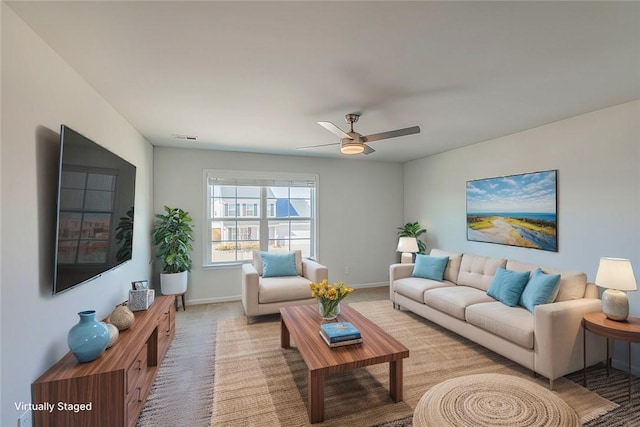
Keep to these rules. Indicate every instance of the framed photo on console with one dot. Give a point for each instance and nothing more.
(516, 210)
(139, 285)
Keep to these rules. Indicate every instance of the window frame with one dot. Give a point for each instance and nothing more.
(262, 179)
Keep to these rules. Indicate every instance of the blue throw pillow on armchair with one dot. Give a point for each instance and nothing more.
(278, 264)
(507, 286)
(430, 267)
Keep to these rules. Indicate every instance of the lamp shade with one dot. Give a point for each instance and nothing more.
(407, 244)
(349, 146)
(616, 273)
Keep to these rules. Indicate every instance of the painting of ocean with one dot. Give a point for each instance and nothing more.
(516, 210)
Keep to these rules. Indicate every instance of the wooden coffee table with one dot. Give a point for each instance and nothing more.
(302, 322)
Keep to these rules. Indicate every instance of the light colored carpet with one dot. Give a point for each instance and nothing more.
(182, 392)
(257, 383)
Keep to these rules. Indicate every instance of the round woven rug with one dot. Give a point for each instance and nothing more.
(492, 400)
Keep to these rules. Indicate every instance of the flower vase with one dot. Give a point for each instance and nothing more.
(88, 338)
(329, 311)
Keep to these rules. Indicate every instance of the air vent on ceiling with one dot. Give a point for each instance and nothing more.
(184, 137)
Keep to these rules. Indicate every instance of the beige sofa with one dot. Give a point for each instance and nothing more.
(265, 295)
(548, 341)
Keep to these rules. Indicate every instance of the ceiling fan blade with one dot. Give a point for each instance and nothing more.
(334, 129)
(391, 134)
(367, 149)
(317, 146)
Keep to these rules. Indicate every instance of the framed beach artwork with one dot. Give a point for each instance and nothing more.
(516, 210)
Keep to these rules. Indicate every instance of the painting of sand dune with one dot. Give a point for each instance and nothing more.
(516, 210)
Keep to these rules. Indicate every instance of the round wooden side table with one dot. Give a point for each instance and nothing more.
(598, 323)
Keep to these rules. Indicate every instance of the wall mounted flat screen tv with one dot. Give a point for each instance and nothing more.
(96, 193)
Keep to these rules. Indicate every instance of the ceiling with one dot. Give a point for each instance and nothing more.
(257, 76)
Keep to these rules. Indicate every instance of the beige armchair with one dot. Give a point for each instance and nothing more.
(265, 295)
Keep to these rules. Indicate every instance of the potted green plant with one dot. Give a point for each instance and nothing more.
(173, 237)
(124, 237)
(413, 229)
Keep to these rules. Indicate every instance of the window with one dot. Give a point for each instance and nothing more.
(86, 210)
(265, 211)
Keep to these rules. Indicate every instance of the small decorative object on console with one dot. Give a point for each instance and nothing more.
(88, 338)
(141, 299)
(113, 334)
(122, 317)
(329, 297)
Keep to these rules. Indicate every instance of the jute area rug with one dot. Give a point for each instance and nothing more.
(257, 383)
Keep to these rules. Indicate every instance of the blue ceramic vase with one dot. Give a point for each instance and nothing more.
(88, 338)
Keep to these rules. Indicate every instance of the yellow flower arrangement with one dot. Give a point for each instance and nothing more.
(329, 297)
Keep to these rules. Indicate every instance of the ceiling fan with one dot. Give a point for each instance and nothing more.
(354, 143)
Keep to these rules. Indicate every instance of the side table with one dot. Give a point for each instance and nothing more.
(598, 323)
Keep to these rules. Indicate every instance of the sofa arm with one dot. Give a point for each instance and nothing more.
(398, 271)
(558, 335)
(250, 289)
(314, 271)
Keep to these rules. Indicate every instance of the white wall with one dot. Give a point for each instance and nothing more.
(39, 92)
(359, 208)
(598, 160)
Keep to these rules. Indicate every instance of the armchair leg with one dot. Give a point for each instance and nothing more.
(250, 320)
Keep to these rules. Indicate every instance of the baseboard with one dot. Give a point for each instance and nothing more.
(623, 365)
(213, 300)
(239, 297)
(369, 285)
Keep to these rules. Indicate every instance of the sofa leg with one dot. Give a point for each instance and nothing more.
(550, 384)
(250, 320)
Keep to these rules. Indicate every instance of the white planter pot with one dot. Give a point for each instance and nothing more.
(173, 283)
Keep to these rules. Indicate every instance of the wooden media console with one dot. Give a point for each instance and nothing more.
(110, 390)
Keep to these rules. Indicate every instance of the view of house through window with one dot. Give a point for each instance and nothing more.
(258, 211)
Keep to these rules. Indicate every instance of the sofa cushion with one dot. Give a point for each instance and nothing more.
(478, 271)
(278, 264)
(414, 287)
(541, 289)
(257, 262)
(514, 324)
(430, 267)
(288, 288)
(453, 266)
(507, 286)
(455, 299)
(573, 284)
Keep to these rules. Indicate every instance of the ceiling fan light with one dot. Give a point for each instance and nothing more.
(351, 147)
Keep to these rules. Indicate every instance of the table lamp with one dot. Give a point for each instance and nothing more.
(408, 246)
(616, 275)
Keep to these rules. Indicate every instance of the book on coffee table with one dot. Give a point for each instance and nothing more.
(340, 343)
(339, 331)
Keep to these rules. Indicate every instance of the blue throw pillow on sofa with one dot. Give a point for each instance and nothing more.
(430, 267)
(507, 286)
(278, 264)
(542, 288)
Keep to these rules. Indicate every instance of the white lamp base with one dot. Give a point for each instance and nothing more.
(615, 304)
(406, 258)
